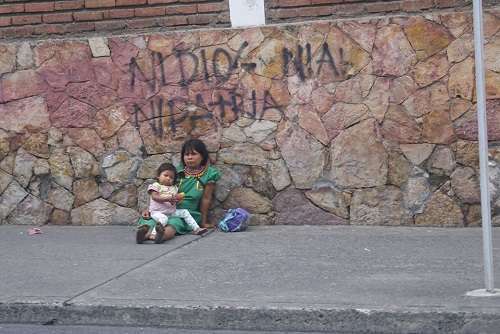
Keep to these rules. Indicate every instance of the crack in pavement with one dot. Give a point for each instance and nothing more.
(68, 301)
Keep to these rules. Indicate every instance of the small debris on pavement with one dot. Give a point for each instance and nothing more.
(34, 230)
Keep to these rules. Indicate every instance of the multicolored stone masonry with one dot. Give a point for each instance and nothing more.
(366, 122)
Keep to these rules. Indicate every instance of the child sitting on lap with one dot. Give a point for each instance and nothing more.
(163, 196)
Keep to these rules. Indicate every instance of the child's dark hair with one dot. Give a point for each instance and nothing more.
(166, 166)
(195, 145)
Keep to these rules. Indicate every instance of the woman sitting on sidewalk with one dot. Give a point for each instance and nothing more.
(197, 181)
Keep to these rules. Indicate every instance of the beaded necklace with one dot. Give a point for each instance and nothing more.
(195, 172)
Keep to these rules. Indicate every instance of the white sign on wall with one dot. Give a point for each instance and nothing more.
(246, 13)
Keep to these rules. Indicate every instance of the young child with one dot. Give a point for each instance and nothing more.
(163, 196)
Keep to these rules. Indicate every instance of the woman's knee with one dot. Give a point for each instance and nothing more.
(169, 232)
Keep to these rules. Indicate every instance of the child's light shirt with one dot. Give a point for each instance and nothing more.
(164, 191)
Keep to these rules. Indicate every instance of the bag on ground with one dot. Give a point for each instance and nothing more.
(235, 220)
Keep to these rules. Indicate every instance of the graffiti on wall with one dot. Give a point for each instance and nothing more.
(228, 100)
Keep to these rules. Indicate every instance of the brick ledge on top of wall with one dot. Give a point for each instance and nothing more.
(37, 18)
(41, 30)
(294, 10)
(73, 17)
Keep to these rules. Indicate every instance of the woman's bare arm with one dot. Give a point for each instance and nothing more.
(206, 200)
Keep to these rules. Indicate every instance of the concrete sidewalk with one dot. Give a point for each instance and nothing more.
(341, 279)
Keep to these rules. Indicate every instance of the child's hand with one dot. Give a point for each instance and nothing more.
(179, 197)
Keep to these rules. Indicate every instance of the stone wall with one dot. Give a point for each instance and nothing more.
(368, 121)
(33, 18)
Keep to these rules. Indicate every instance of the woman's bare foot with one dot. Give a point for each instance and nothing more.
(207, 225)
(200, 231)
(160, 231)
(141, 234)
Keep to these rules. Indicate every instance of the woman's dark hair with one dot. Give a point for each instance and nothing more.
(195, 145)
(166, 166)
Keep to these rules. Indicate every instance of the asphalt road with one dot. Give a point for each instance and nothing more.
(41, 329)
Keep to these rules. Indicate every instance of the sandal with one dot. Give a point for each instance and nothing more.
(200, 231)
(140, 235)
(160, 231)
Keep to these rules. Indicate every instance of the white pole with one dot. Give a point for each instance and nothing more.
(483, 146)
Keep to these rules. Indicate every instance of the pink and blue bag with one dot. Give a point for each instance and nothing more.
(235, 220)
